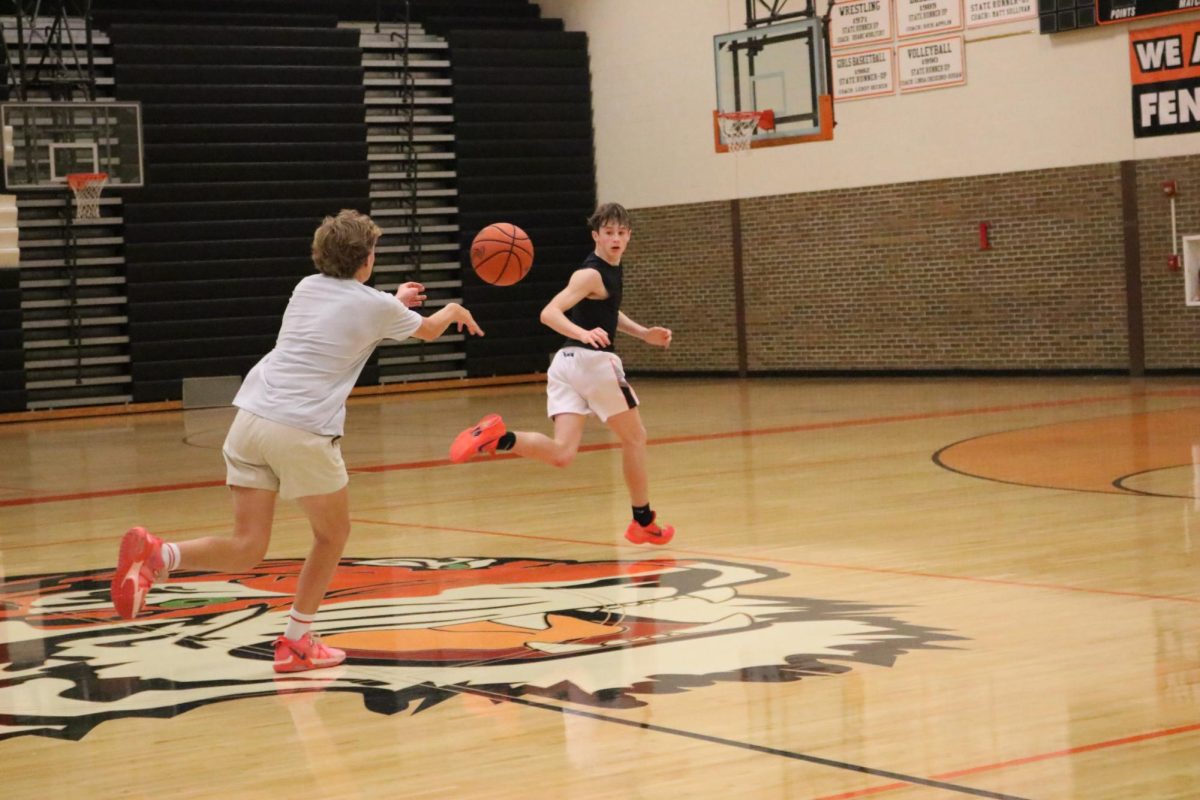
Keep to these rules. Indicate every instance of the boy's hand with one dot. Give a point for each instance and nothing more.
(463, 318)
(410, 294)
(596, 337)
(660, 337)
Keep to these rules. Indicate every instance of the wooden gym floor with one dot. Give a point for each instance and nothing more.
(905, 588)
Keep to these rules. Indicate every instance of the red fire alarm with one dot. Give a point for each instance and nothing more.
(1168, 188)
(984, 242)
(1173, 262)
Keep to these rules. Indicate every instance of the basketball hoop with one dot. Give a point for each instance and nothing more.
(87, 187)
(739, 126)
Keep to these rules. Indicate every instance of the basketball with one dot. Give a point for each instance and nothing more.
(501, 254)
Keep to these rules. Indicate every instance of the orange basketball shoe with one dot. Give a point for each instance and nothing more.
(138, 564)
(649, 534)
(480, 439)
(297, 655)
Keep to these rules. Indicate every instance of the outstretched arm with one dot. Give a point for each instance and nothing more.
(584, 283)
(436, 323)
(660, 337)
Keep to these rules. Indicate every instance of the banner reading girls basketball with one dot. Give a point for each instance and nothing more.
(1164, 66)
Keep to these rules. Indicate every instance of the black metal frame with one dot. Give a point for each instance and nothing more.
(769, 12)
(408, 91)
(51, 72)
(774, 11)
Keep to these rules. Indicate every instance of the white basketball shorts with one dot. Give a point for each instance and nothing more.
(261, 454)
(586, 381)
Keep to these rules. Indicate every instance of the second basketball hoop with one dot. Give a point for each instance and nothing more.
(735, 129)
(87, 187)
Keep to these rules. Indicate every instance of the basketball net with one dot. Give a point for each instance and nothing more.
(87, 187)
(738, 127)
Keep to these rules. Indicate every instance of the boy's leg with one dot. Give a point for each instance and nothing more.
(253, 515)
(143, 559)
(329, 516)
(629, 428)
(557, 452)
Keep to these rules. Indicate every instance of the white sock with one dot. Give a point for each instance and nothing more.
(171, 556)
(298, 625)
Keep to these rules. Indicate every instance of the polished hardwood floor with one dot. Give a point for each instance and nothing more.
(894, 588)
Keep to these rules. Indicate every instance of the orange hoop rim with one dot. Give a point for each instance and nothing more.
(764, 119)
(79, 180)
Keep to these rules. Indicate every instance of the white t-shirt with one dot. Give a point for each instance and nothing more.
(330, 328)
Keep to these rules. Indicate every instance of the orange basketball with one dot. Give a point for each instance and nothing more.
(501, 254)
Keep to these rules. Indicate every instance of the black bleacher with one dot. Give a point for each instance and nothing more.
(523, 130)
(253, 133)
(12, 354)
(254, 128)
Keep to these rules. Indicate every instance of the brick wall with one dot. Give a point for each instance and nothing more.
(892, 278)
(1172, 331)
(680, 263)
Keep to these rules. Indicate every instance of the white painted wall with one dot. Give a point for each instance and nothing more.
(1031, 102)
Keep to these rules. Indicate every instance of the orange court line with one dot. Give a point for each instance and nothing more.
(1016, 762)
(799, 562)
(699, 437)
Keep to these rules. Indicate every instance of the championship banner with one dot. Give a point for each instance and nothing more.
(871, 73)
(860, 22)
(933, 64)
(926, 17)
(995, 12)
(1164, 68)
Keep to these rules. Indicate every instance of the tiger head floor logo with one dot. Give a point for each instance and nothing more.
(418, 631)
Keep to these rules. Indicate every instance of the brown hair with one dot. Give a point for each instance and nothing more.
(342, 244)
(609, 213)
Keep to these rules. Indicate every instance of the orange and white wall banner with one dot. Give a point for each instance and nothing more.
(1164, 68)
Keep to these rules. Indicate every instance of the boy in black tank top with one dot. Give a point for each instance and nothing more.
(587, 377)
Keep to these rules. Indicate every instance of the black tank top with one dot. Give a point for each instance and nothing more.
(589, 314)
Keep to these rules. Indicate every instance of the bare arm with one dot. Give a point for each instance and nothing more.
(660, 337)
(584, 283)
(436, 323)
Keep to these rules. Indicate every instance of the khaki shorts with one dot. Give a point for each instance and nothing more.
(586, 381)
(260, 454)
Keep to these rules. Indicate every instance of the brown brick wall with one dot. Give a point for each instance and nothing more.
(892, 278)
(1172, 331)
(680, 263)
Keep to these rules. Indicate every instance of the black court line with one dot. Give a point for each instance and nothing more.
(758, 748)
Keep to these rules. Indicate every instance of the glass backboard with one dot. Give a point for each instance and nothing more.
(781, 67)
(46, 141)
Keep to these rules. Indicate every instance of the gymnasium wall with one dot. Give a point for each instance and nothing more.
(863, 253)
(1031, 102)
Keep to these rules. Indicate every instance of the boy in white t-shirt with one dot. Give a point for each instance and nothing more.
(285, 438)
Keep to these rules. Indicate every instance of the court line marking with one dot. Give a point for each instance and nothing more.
(1016, 762)
(907, 780)
(598, 446)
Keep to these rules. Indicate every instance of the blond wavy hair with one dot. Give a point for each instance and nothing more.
(342, 243)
